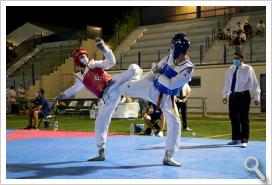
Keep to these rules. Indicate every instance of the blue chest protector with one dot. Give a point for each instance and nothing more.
(170, 73)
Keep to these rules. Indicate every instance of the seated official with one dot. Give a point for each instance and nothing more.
(39, 110)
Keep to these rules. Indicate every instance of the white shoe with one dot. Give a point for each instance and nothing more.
(160, 134)
(169, 161)
(243, 145)
(187, 129)
(234, 142)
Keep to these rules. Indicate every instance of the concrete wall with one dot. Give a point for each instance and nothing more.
(161, 14)
(53, 83)
(24, 32)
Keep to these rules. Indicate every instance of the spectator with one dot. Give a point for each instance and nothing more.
(21, 96)
(182, 105)
(243, 37)
(236, 41)
(39, 110)
(228, 36)
(260, 29)
(239, 27)
(12, 99)
(220, 34)
(235, 38)
(151, 117)
(248, 30)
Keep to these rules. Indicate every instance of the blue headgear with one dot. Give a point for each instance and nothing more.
(181, 43)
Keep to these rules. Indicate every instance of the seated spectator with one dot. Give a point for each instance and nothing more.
(228, 35)
(260, 29)
(39, 110)
(239, 27)
(151, 117)
(243, 37)
(220, 35)
(235, 38)
(236, 41)
(248, 30)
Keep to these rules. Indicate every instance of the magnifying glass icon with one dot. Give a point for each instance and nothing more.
(251, 163)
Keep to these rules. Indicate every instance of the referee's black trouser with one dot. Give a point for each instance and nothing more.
(183, 107)
(238, 113)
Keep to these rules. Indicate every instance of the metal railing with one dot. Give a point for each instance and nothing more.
(249, 49)
(202, 106)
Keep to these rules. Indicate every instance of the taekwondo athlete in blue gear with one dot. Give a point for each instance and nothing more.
(161, 84)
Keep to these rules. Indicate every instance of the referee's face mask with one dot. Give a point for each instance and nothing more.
(236, 61)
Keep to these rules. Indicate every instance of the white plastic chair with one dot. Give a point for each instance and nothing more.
(72, 107)
(86, 106)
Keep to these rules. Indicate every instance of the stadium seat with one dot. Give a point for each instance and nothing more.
(86, 107)
(72, 107)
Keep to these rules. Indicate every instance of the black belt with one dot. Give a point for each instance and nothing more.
(107, 88)
(239, 93)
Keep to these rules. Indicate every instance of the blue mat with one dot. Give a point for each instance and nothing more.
(129, 157)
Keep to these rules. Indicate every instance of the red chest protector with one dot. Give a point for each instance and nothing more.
(96, 80)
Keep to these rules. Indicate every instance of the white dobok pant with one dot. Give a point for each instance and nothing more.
(145, 89)
(111, 98)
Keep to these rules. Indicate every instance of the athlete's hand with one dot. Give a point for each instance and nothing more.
(100, 44)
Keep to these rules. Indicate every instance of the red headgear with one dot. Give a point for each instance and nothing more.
(76, 56)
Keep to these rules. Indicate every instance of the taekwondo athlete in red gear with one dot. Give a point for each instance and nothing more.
(160, 86)
(100, 83)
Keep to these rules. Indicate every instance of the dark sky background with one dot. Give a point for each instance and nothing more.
(69, 16)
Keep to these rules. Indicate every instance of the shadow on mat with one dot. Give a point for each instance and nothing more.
(42, 171)
(192, 147)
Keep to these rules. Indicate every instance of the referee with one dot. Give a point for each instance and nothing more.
(240, 79)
